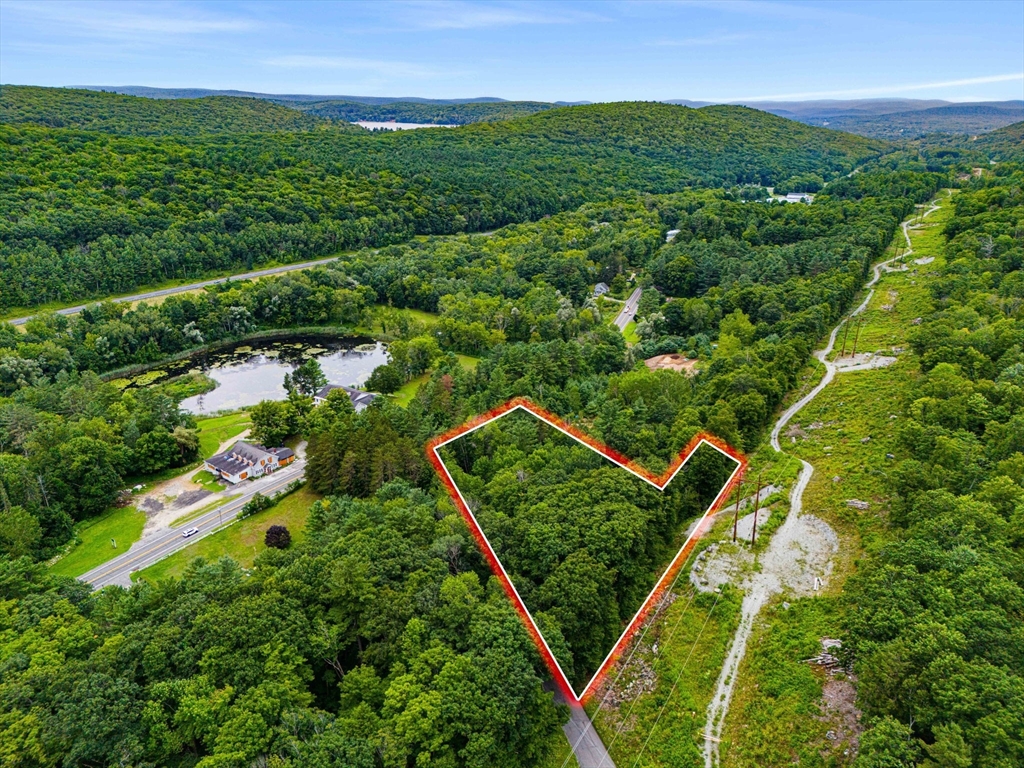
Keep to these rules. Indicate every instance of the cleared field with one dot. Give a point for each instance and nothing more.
(242, 540)
(215, 430)
(123, 526)
(783, 708)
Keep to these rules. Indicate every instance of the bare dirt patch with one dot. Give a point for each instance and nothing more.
(674, 362)
(865, 361)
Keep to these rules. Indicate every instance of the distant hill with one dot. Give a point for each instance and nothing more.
(893, 119)
(135, 116)
(421, 112)
(198, 93)
(967, 119)
(1007, 143)
(73, 202)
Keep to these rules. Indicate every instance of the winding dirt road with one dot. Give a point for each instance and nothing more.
(790, 541)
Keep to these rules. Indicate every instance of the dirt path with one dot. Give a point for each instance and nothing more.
(798, 558)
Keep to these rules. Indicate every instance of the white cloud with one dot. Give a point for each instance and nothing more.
(690, 42)
(886, 90)
(455, 14)
(111, 21)
(379, 66)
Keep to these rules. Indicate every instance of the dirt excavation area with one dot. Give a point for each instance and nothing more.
(170, 499)
(797, 561)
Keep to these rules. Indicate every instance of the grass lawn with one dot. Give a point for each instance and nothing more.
(558, 752)
(203, 510)
(207, 480)
(242, 540)
(405, 395)
(123, 525)
(214, 430)
(630, 333)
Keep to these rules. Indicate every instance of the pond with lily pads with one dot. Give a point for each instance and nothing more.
(250, 371)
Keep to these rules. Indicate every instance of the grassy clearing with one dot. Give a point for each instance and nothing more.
(124, 525)
(559, 754)
(777, 721)
(242, 540)
(692, 638)
(629, 332)
(776, 718)
(207, 480)
(215, 430)
(405, 395)
(203, 510)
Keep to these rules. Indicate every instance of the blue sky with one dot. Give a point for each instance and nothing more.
(596, 51)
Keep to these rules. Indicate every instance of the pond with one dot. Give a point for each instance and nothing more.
(248, 372)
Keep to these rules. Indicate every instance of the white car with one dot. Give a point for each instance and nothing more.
(189, 532)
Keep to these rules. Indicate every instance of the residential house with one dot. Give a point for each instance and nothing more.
(244, 461)
(360, 399)
(601, 289)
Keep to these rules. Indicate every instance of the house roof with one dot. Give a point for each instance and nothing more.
(357, 396)
(240, 457)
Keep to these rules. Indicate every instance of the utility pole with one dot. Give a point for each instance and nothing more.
(757, 504)
(855, 337)
(736, 514)
(845, 335)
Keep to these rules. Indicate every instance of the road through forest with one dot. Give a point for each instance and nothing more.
(789, 540)
(184, 288)
(151, 549)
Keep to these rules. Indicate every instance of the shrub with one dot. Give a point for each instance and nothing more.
(278, 537)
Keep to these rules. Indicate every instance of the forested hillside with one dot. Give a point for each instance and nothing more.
(87, 214)
(379, 640)
(1005, 144)
(136, 116)
(415, 112)
(966, 119)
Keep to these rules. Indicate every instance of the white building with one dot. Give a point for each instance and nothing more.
(243, 461)
(360, 399)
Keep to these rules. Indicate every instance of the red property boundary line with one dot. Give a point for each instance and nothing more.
(658, 481)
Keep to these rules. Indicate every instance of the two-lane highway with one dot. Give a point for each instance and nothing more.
(185, 288)
(150, 549)
(629, 309)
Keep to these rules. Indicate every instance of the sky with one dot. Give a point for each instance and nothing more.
(546, 51)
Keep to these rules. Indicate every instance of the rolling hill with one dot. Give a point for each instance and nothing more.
(137, 116)
(85, 213)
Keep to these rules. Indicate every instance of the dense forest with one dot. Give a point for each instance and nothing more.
(416, 112)
(935, 615)
(380, 640)
(582, 540)
(752, 286)
(87, 214)
(136, 116)
(366, 626)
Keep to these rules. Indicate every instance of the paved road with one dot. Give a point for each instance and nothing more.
(629, 309)
(586, 744)
(150, 549)
(190, 287)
